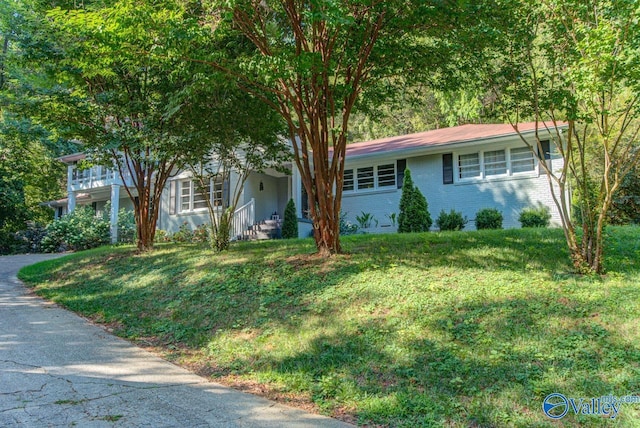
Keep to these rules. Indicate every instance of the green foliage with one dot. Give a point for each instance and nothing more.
(9, 242)
(79, 230)
(407, 330)
(626, 201)
(290, 222)
(414, 211)
(451, 221)
(31, 238)
(346, 227)
(365, 220)
(535, 217)
(488, 218)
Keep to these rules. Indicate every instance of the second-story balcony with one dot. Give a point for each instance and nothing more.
(95, 177)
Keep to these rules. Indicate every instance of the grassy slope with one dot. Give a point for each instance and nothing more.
(456, 329)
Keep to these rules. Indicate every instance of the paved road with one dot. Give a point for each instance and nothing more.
(57, 370)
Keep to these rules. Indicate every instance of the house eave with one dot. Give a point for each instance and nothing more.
(424, 150)
(74, 157)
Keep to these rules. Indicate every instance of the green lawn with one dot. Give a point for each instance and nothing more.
(438, 329)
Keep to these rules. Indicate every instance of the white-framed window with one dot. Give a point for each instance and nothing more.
(495, 162)
(365, 178)
(370, 178)
(522, 160)
(492, 163)
(469, 165)
(193, 197)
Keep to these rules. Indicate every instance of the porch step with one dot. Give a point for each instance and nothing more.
(266, 229)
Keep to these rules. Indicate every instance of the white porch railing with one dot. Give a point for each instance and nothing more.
(243, 217)
(95, 177)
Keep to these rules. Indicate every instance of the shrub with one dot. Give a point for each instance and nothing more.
(365, 219)
(535, 217)
(78, 230)
(184, 234)
(9, 244)
(31, 239)
(346, 227)
(414, 211)
(488, 218)
(451, 221)
(290, 222)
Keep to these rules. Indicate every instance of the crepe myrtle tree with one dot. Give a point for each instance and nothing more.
(119, 84)
(234, 134)
(573, 66)
(316, 59)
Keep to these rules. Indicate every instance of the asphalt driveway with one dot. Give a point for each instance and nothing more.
(57, 370)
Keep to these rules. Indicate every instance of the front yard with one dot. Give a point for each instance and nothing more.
(438, 329)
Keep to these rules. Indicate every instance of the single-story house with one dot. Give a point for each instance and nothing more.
(465, 168)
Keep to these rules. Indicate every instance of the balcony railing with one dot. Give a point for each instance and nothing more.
(96, 177)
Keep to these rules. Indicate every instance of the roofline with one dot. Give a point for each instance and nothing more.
(72, 157)
(428, 149)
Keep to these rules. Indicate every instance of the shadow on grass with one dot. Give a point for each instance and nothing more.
(480, 364)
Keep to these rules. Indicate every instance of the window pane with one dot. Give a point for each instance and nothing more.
(365, 178)
(200, 195)
(521, 160)
(217, 192)
(185, 195)
(347, 183)
(495, 162)
(387, 175)
(469, 165)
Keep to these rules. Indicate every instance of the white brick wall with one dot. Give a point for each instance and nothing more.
(507, 194)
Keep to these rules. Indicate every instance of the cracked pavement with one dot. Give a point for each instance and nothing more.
(58, 370)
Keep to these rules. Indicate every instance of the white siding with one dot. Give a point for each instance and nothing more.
(509, 194)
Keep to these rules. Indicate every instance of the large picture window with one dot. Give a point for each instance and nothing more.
(193, 197)
(370, 178)
(491, 163)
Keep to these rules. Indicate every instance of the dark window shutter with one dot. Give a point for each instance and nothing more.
(546, 149)
(172, 196)
(226, 193)
(401, 165)
(447, 168)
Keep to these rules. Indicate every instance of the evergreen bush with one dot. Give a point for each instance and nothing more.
(488, 218)
(290, 222)
(414, 210)
(453, 220)
(535, 217)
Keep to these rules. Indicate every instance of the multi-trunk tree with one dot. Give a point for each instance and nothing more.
(577, 64)
(120, 81)
(316, 58)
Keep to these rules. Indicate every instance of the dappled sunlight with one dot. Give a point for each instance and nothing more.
(458, 329)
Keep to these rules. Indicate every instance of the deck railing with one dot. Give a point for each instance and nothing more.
(243, 217)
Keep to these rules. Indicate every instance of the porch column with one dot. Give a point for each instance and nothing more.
(71, 195)
(296, 189)
(115, 207)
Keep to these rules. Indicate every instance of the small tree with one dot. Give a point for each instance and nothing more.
(290, 223)
(414, 210)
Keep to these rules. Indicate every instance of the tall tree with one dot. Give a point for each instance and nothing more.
(579, 62)
(29, 173)
(318, 57)
(121, 81)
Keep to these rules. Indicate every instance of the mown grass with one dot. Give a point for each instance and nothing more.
(439, 329)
